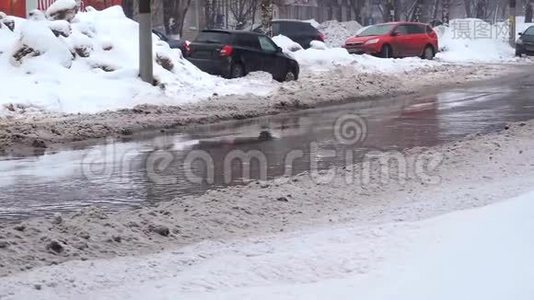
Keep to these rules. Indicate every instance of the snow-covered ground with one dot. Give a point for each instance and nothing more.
(94, 67)
(483, 253)
(474, 41)
(394, 240)
(83, 83)
(321, 58)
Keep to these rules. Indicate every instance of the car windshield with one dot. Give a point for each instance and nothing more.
(213, 37)
(377, 30)
(529, 31)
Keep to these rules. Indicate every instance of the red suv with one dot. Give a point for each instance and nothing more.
(395, 39)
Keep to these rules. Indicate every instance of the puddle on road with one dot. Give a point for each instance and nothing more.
(147, 171)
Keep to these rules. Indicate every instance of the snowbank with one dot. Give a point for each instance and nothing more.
(483, 253)
(337, 33)
(464, 40)
(92, 66)
(473, 40)
(320, 58)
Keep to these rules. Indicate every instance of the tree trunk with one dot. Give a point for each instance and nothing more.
(356, 6)
(445, 11)
(175, 10)
(481, 9)
(266, 15)
(435, 8)
(528, 13)
(417, 11)
(388, 13)
(128, 8)
(468, 10)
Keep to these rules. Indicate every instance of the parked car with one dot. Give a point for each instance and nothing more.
(233, 54)
(301, 32)
(395, 39)
(525, 42)
(183, 45)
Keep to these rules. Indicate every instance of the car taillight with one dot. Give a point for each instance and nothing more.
(187, 48)
(227, 50)
(322, 37)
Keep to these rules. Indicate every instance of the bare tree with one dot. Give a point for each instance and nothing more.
(128, 8)
(435, 9)
(528, 12)
(468, 4)
(242, 11)
(445, 8)
(357, 6)
(481, 9)
(266, 15)
(211, 11)
(388, 10)
(174, 12)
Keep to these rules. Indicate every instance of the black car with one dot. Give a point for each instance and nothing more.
(301, 32)
(525, 43)
(183, 45)
(233, 54)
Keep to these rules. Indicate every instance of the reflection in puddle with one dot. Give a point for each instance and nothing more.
(117, 175)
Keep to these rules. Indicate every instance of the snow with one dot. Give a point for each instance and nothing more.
(318, 45)
(474, 40)
(320, 58)
(456, 46)
(99, 49)
(61, 26)
(313, 23)
(7, 37)
(53, 51)
(336, 33)
(57, 81)
(482, 253)
(286, 43)
(59, 5)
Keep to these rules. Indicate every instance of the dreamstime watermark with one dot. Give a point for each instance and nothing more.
(347, 161)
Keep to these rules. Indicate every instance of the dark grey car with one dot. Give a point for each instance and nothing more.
(233, 54)
(525, 42)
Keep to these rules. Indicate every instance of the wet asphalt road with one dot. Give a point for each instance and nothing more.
(149, 170)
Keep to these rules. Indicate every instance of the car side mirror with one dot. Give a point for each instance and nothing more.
(278, 50)
(520, 34)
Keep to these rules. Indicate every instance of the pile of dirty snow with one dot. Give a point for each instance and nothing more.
(66, 61)
(337, 33)
(474, 40)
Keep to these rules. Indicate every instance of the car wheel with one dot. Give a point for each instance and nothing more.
(386, 52)
(518, 54)
(290, 76)
(428, 53)
(237, 71)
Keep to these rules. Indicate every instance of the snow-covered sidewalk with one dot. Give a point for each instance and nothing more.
(483, 253)
(402, 240)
